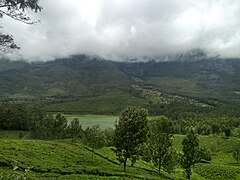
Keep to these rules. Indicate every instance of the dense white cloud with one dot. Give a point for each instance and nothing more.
(119, 29)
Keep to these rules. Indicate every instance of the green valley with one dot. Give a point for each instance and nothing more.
(58, 119)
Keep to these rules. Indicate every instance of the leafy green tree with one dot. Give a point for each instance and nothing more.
(130, 132)
(216, 128)
(42, 127)
(170, 160)
(160, 141)
(94, 137)
(15, 9)
(75, 130)
(203, 129)
(236, 151)
(227, 131)
(59, 127)
(20, 135)
(190, 154)
(109, 135)
(49, 127)
(17, 116)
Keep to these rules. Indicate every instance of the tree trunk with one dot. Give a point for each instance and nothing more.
(237, 156)
(125, 164)
(159, 166)
(92, 154)
(188, 171)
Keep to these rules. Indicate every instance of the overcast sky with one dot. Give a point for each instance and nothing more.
(120, 29)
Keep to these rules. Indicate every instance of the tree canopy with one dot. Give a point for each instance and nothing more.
(192, 154)
(130, 132)
(190, 148)
(160, 141)
(15, 9)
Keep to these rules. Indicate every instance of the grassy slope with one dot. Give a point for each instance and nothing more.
(110, 103)
(63, 160)
(55, 159)
(183, 86)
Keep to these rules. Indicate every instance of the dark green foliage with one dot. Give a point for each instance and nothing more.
(109, 137)
(227, 131)
(59, 127)
(75, 130)
(94, 138)
(236, 151)
(190, 152)
(130, 132)
(17, 116)
(216, 128)
(203, 155)
(7, 42)
(203, 129)
(48, 127)
(159, 143)
(21, 135)
(42, 128)
(171, 160)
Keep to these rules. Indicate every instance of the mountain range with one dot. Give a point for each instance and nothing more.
(83, 84)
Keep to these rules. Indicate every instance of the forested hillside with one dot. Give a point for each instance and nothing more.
(84, 84)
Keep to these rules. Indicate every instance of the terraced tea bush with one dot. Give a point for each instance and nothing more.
(217, 172)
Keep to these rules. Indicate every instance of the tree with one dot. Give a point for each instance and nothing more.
(16, 9)
(130, 132)
(49, 127)
(236, 151)
(42, 126)
(109, 134)
(94, 137)
(190, 152)
(17, 116)
(59, 126)
(227, 131)
(215, 128)
(160, 141)
(75, 129)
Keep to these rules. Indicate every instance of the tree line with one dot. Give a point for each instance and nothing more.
(23, 117)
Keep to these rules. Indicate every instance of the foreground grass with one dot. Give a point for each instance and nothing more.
(48, 159)
(35, 159)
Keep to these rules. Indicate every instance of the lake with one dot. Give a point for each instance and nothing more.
(105, 121)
